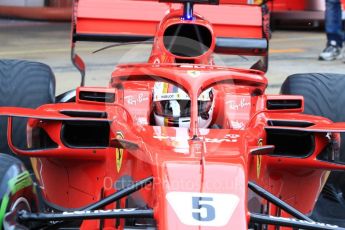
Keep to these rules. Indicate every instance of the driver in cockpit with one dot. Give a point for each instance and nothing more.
(171, 106)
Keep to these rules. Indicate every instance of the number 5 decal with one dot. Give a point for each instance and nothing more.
(203, 209)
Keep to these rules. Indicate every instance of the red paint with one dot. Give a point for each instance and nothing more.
(296, 5)
(217, 162)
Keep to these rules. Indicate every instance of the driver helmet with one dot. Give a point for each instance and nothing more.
(171, 106)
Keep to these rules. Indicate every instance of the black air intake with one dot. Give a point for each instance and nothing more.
(97, 96)
(289, 143)
(85, 134)
(283, 104)
(187, 40)
(81, 113)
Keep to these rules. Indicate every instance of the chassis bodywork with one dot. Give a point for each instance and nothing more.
(101, 162)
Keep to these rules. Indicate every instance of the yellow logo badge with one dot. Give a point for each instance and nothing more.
(259, 160)
(119, 153)
(193, 73)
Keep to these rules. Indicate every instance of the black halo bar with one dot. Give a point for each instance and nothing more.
(278, 202)
(85, 215)
(120, 194)
(287, 222)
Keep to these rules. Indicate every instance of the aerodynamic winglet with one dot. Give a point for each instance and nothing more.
(262, 150)
(43, 115)
(338, 127)
(123, 144)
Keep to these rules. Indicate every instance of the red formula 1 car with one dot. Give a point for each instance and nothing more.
(178, 142)
(312, 12)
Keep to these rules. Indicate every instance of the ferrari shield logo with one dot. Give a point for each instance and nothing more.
(259, 160)
(257, 2)
(119, 153)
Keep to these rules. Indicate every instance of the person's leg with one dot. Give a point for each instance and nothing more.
(333, 22)
(334, 31)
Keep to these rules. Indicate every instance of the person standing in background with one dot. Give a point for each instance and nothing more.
(334, 31)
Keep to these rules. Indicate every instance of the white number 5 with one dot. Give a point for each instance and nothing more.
(203, 205)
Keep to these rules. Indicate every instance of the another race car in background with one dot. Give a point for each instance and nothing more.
(299, 12)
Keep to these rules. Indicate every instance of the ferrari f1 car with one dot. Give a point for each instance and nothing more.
(178, 142)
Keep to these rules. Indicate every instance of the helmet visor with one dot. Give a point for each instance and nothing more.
(180, 108)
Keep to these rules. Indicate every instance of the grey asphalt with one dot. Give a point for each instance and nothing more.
(290, 52)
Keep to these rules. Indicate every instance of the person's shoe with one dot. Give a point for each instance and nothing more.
(331, 52)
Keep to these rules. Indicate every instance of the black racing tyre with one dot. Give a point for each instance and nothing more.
(324, 95)
(17, 191)
(23, 84)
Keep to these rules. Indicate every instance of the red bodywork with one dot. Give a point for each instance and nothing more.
(298, 5)
(185, 163)
(310, 11)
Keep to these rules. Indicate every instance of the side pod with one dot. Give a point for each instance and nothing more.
(314, 146)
